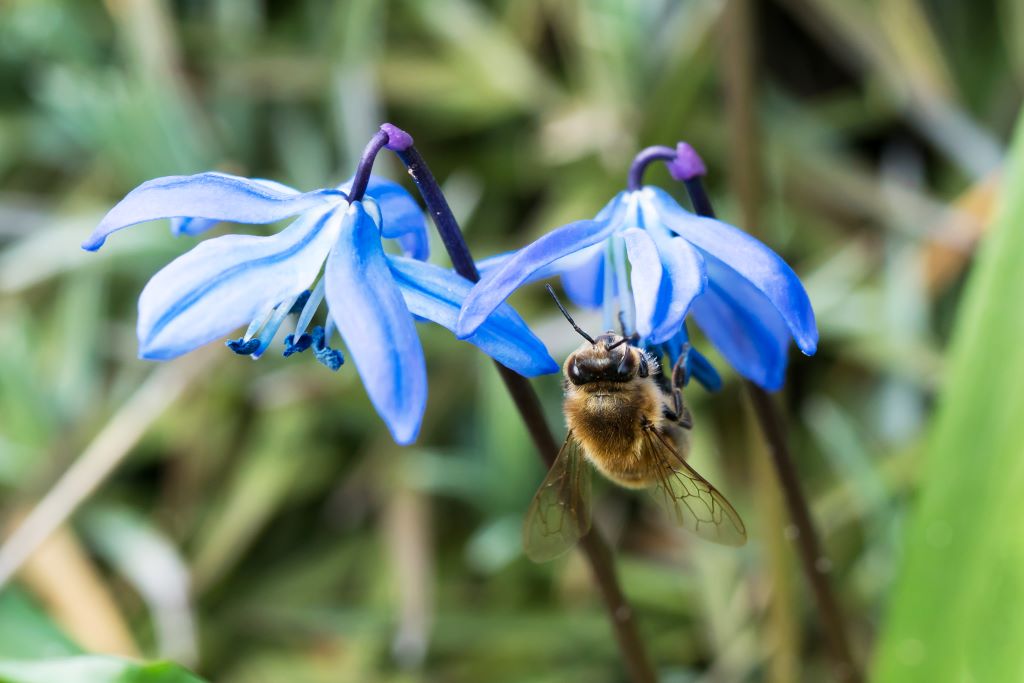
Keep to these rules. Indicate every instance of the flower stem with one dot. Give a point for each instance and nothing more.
(596, 549)
(362, 176)
(646, 157)
(812, 557)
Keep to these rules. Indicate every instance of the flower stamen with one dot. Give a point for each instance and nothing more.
(309, 307)
(269, 331)
(332, 358)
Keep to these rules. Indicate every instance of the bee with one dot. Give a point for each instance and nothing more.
(629, 421)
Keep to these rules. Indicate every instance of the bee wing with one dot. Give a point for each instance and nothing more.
(559, 514)
(690, 500)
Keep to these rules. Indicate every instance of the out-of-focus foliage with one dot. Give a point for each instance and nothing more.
(971, 489)
(264, 527)
(93, 669)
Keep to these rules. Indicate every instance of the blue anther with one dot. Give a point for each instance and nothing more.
(332, 358)
(242, 346)
(292, 346)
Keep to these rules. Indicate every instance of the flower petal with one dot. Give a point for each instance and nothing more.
(584, 283)
(213, 196)
(582, 273)
(370, 312)
(415, 244)
(749, 258)
(190, 225)
(645, 279)
(521, 266)
(400, 216)
(683, 281)
(436, 294)
(185, 225)
(225, 282)
(743, 325)
(399, 210)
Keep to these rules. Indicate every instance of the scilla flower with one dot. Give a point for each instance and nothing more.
(655, 262)
(333, 250)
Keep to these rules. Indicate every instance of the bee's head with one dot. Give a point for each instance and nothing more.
(610, 358)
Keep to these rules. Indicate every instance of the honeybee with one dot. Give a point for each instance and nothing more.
(630, 422)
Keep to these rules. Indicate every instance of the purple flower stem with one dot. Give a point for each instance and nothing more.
(813, 559)
(362, 176)
(646, 157)
(596, 549)
(699, 198)
(440, 213)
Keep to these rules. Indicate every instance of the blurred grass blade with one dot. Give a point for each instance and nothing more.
(955, 606)
(142, 554)
(87, 669)
(106, 451)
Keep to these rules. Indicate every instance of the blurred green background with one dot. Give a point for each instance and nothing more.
(254, 522)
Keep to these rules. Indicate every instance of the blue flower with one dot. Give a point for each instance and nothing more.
(372, 297)
(745, 298)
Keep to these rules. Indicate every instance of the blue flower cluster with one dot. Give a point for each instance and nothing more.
(644, 259)
(333, 251)
(744, 297)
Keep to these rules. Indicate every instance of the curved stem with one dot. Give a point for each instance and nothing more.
(812, 557)
(362, 176)
(646, 157)
(595, 548)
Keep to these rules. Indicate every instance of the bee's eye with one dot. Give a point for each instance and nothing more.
(575, 376)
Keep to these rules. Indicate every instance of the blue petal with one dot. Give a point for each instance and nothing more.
(400, 216)
(584, 284)
(743, 325)
(747, 257)
(399, 210)
(213, 196)
(370, 312)
(225, 282)
(683, 280)
(701, 369)
(645, 279)
(190, 225)
(490, 264)
(520, 267)
(582, 273)
(415, 245)
(436, 294)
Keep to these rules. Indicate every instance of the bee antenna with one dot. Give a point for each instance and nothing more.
(619, 343)
(569, 317)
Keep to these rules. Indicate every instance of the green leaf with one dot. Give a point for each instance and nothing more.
(955, 612)
(26, 631)
(93, 669)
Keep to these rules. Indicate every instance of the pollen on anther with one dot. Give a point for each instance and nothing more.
(243, 346)
(292, 345)
(331, 358)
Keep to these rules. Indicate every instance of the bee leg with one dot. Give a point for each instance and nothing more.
(682, 413)
(634, 338)
(622, 322)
